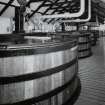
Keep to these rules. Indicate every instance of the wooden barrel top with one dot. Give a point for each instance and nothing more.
(12, 49)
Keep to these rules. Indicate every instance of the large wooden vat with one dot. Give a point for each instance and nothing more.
(94, 37)
(40, 75)
(84, 42)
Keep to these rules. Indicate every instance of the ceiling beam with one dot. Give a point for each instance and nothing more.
(6, 6)
(56, 3)
(55, 10)
(7, 3)
(32, 1)
(50, 7)
(50, 1)
(64, 9)
(38, 8)
(61, 11)
(53, 21)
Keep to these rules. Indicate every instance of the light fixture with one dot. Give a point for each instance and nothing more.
(69, 15)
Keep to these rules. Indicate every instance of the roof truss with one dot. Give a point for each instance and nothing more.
(55, 7)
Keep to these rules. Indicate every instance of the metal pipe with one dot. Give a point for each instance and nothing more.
(81, 20)
(69, 15)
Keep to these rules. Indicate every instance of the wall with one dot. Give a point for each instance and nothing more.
(5, 25)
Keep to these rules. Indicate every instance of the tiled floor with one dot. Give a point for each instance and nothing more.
(92, 75)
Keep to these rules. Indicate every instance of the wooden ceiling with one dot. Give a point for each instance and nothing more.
(50, 7)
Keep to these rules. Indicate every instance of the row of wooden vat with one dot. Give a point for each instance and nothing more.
(44, 74)
(86, 40)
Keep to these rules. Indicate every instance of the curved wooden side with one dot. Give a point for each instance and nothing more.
(84, 46)
(93, 39)
(50, 89)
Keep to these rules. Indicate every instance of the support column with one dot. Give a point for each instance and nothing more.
(19, 20)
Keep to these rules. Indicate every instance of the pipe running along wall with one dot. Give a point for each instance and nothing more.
(68, 15)
(81, 20)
